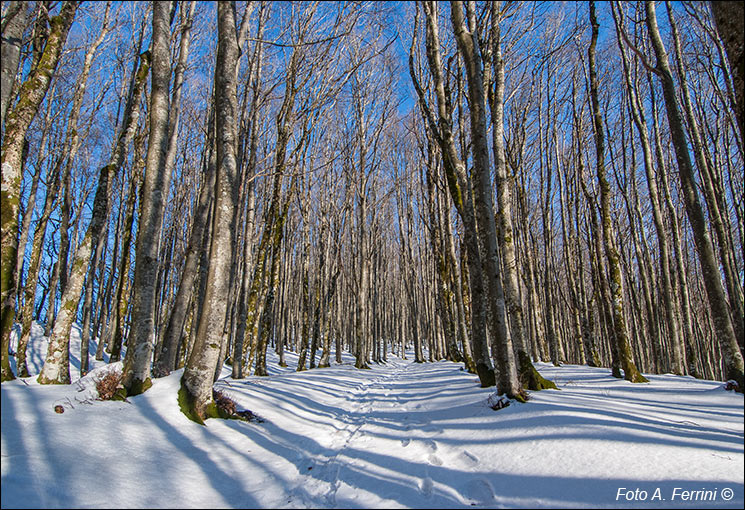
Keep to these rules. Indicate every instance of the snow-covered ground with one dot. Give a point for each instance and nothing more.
(401, 435)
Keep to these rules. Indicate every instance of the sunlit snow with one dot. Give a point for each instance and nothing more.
(401, 435)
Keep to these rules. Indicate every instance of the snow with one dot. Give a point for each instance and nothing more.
(401, 435)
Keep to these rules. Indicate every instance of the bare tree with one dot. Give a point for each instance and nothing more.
(30, 96)
(710, 269)
(195, 395)
(616, 278)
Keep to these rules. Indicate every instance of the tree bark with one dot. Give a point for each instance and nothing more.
(529, 377)
(725, 333)
(460, 192)
(195, 395)
(155, 187)
(502, 350)
(31, 94)
(728, 17)
(611, 253)
(13, 26)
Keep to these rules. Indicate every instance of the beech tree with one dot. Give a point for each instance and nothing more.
(30, 95)
(195, 395)
(280, 186)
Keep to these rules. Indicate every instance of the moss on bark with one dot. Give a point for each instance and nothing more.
(632, 374)
(529, 376)
(137, 386)
(187, 404)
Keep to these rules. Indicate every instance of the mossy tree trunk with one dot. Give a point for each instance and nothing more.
(56, 369)
(33, 271)
(456, 283)
(502, 350)
(195, 394)
(445, 295)
(267, 317)
(121, 294)
(527, 374)
(250, 195)
(460, 190)
(724, 330)
(611, 253)
(260, 280)
(715, 205)
(18, 120)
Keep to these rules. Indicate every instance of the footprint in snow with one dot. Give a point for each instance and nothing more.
(405, 442)
(480, 491)
(426, 486)
(435, 460)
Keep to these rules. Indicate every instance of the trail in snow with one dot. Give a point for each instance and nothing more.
(401, 435)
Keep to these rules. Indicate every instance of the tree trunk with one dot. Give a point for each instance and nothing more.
(15, 23)
(460, 192)
(728, 17)
(670, 306)
(195, 395)
(155, 188)
(616, 285)
(31, 94)
(725, 333)
(529, 377)
(502, 350)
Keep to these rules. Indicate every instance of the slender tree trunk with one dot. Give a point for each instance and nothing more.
(121, 296)
(56, 369)
(616, 286)
(725, 333)
(31, 94)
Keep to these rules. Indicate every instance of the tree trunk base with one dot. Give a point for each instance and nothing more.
(44, 380)
(136, 387)
(529, 376)
(521, 396)
(633, 375)
(486, 375)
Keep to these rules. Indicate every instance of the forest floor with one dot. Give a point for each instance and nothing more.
(401, 435)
